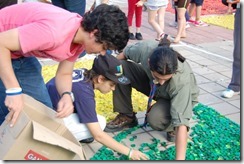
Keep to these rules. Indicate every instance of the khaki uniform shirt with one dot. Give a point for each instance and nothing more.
(181, 89)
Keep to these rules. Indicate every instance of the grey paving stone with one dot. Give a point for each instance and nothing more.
(211, 87)
(215, 77)
(227, 73)
(88, 151)
(193, 64)
(196, 58)
(206, 62)
(234, 117)
(202, 91)
(219, 68)
(95, 146)
(202, 70)
(236, 103)
(159, 135)
(209, 99)
(186, 53)
(225, 108)
(201, 80)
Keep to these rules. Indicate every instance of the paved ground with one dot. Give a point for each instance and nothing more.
(209, 51)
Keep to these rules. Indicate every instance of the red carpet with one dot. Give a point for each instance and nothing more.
(210, 7)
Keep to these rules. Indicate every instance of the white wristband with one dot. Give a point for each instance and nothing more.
(13, 91)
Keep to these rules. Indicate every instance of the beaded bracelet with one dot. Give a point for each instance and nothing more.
(13, 91)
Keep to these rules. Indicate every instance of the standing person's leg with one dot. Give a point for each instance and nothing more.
(187, 16)
(236, 71)
(161, 16)
(198, 10)
(29, 76)
(198, 21)
(138, 12)
(59, 3)
(176, 15)
(152, 21)
(181, 31)
(187, 19)
(174, 24)
(77, 6)
(234, 86)
(3, 109)
(191, 11)
(122, 100)
(181, 9)
(131, 11)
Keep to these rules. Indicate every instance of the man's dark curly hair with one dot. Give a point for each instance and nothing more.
(112, 26)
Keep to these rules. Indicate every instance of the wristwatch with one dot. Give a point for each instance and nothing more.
(71, 95)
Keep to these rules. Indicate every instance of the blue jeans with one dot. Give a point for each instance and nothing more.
(235, 83)
(28, 73)
(77, 6)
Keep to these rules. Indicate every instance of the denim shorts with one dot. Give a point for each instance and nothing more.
(155, 7)
(197, 2)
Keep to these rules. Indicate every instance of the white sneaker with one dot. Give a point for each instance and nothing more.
(228, 93)
(187, 25)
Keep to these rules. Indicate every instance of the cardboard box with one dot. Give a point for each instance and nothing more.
(38, 135)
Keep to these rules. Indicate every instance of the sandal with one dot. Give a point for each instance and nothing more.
(161, 36)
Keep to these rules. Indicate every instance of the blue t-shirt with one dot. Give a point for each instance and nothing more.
(83, 91)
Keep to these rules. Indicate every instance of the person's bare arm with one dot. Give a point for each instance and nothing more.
(9, 41)
(181, 142)
(63, 80)
(108, 141)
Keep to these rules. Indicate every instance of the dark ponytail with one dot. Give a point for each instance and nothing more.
(166, 42)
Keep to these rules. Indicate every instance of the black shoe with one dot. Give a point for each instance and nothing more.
(88, 140)
(171, 136)
(121, 122)
(139, 36)
(144, 8)
(131, 36)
